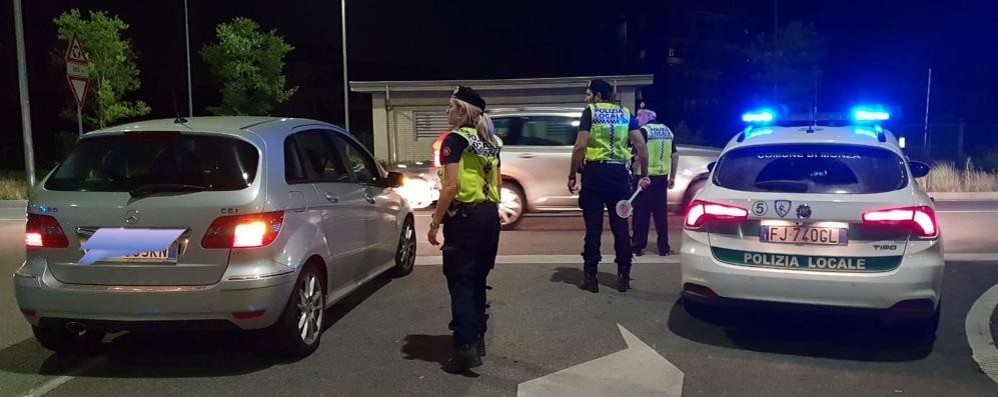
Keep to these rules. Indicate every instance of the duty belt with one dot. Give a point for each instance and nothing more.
(619, 162)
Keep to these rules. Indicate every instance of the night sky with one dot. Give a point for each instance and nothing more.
(877, 50)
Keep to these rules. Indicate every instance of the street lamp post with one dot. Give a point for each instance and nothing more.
(22, 83)
(190, 93)
(346, 83)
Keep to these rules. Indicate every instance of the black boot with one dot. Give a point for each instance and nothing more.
(465, 358)
(623, 282)
(589, 283)
(481, 347)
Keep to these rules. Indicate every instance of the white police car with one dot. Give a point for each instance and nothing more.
(817, 216)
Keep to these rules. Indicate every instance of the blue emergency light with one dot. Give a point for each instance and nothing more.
(759, 117)
(863, 115)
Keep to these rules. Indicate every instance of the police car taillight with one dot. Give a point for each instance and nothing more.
(921, 220)
(44, 231)
(701, 211)
(243, 231)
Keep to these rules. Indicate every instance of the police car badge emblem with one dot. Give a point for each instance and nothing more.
(782, 207)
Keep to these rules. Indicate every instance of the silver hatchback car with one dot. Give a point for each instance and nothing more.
(273, 220)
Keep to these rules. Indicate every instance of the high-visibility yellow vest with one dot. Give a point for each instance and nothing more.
(609, 133)
(477, 166)
(659, 144)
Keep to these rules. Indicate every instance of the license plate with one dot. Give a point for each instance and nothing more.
(165, 256)
(803, 235)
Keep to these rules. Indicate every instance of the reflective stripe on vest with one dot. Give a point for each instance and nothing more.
(477, 165)
(608, 135)
(659, 149)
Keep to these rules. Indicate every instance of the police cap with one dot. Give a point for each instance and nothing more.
(470, 96)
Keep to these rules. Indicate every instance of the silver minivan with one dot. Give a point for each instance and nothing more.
(275, 220)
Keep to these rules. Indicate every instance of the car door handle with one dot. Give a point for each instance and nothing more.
(526, 156)
(370, 199)
(331, 198)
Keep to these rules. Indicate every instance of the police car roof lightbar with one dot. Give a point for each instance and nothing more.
(866, 115)
(759, 117)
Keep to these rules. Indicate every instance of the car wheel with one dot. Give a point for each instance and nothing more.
(691, 191)
(512, 205)
(298, 330)
(64, 341)
(405, 256)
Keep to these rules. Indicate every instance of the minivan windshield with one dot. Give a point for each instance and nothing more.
(157, 162)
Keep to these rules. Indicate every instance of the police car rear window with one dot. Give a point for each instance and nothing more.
(121, 163)
(837, 169)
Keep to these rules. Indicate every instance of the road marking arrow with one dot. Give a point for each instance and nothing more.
(978, 328)
(636, 371)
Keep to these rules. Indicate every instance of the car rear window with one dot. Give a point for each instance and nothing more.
(121, 163)
(811, 169)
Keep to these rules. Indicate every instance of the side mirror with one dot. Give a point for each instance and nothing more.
(919, 169)
(395, 179)
(710, 167)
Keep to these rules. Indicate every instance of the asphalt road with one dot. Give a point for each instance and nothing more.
(391, 337)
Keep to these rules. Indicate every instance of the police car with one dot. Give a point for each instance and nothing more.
(815, 215)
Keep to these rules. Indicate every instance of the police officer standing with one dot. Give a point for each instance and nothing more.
(604, 131)
(662, 173)
(468, 207)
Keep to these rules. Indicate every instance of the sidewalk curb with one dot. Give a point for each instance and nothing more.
(13, 203)
(951, 196)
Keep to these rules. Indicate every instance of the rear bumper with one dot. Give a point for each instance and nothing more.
(911, 290)
(242, 304)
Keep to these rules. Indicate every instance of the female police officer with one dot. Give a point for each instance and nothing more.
(468, 209)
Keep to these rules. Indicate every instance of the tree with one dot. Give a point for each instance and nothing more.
(250, 66)
(790, 65)
(113, 73)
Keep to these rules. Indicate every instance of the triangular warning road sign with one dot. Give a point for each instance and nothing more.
(75, 52)
(79, 87)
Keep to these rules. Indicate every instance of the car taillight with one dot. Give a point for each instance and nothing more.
(243, 231)
(702, 211)
(43, 231)
(921, 220)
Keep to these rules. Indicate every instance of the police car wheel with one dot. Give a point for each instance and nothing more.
(512, 205)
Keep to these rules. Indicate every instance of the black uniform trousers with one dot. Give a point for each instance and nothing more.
(471, 242)
(652, 203)
(603, 186)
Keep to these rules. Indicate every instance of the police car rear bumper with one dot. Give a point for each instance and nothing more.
(911, 290)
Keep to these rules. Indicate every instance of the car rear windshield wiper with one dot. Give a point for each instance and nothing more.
(151, 188)
(784, 185)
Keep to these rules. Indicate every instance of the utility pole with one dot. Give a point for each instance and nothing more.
(346, 83)
(22, 83)
(776, 42)
(925, 137)
(190, 92)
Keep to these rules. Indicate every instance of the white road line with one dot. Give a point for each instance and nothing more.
(978, 327)
(46, 387)
(437, 260)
